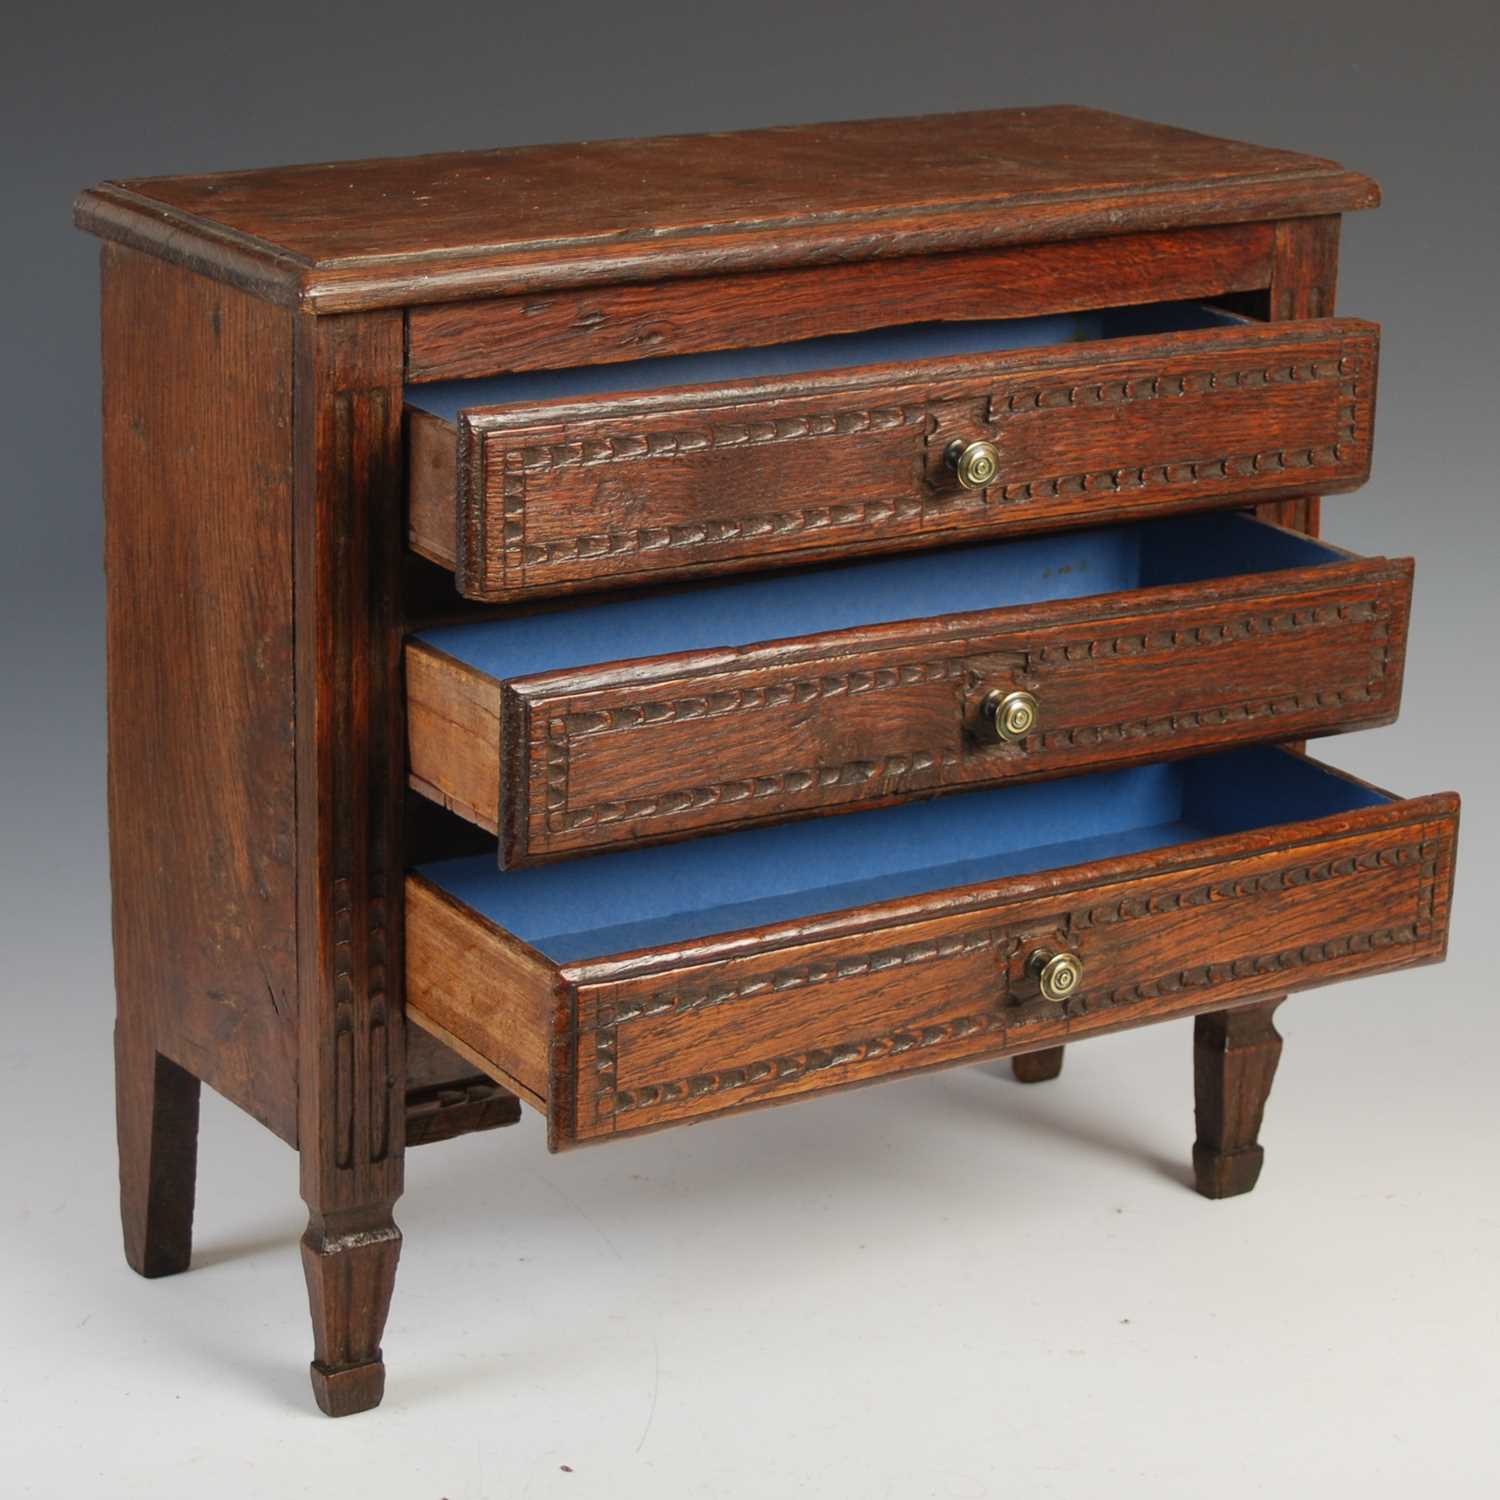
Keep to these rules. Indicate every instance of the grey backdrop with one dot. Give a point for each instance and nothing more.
(1406, 92)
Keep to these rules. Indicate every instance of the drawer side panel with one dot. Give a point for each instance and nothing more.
(479, 991)
(453, 734)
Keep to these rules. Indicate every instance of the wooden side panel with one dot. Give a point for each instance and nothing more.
(479, 991)
(783, 1020)
(198, 558)
(615, 755)
(629, 489)
(1303, 284)
(601, 325)
(1305, 268)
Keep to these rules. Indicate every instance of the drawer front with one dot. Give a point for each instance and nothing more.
(638, 751)
(701, 1041)
(617, 490)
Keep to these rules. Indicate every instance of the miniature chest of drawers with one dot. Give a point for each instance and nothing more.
(645, 629)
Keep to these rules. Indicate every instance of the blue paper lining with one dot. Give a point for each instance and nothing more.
(642, 898)
(446, 398)
(741, 612)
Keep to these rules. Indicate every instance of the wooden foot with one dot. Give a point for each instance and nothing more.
(156, 1117)
(1037, 1067)
(1235, 1053)
(350, 1265)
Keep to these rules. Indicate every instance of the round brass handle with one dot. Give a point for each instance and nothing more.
(1012, 715)
(1057, 974)
(976, 464)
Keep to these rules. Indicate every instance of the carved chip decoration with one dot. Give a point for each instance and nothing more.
(1346, 369)
(523, 463)
(564, 728)
(1002, 1019)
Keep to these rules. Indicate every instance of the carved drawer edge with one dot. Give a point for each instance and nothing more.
(1278, 969)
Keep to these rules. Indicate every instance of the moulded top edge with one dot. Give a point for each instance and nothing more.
(401, 231)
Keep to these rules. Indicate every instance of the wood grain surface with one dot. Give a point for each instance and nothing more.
(640, 751)
(347, 558)
(202, 774)
(666, 1035)
(1235, 1053)
(452, 984)
(347, 235)
(1304, 282)
(602, 325)
(258, 330)
(615, 490)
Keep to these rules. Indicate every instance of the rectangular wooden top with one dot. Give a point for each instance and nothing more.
(407, 230)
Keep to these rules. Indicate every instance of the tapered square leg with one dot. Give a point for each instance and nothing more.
(351, 1272)
(351, 1093)
(1037, 1067)
(1235, 1053)
(156, 1117)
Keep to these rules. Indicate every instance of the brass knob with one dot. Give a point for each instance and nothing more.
(976, 464)
(1057, 974)
(1012, 715)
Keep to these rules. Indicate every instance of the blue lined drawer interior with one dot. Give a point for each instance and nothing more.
(642, 898)
(639, 898)
(742, 611)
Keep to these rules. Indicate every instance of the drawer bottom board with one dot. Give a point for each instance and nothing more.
(658, 985)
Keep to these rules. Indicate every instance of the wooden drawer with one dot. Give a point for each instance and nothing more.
(614, 995)
(758, 700)
(557, 481)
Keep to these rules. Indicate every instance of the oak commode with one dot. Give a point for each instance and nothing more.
(644, 629)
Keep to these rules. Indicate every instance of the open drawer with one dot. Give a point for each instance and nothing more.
(751, 701)
(661, 985)
(562, 480)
